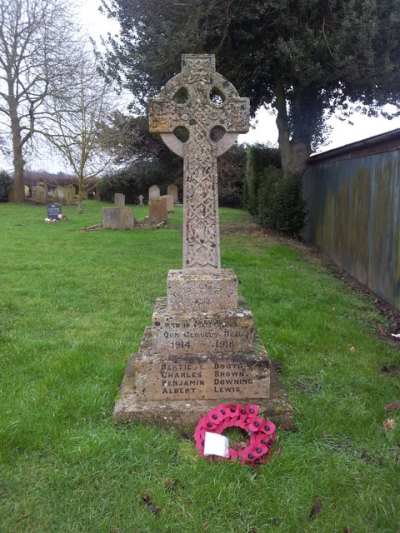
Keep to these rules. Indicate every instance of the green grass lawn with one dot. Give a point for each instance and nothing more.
(73, 307)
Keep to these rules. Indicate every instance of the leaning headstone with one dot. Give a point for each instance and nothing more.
(118, 218)
(154, 193)
(173, 191)
(202, 348)
(170, 202)
(40, 193)
(119, 199)
(158, 211)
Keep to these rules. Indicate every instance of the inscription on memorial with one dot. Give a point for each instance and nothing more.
(210, 379)
(216, 333)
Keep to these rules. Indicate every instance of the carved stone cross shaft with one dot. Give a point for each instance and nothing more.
(209, 110)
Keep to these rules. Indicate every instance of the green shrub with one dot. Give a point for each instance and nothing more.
(230, 197)
(259, 157)
(280, 203)
(5, 185)
(133, 181)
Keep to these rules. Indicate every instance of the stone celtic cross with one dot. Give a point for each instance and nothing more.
(207, 108)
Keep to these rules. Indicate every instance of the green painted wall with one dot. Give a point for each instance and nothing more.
(354, 217)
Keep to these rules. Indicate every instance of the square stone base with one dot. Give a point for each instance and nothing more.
(185, 414)
(202, 290)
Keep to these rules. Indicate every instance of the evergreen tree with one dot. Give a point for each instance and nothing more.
(305, 59)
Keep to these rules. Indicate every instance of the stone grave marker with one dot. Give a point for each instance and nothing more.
(173, 191)
(154, 193)
(54, 211)
(202, 348)
(40, 193)
(118, 217)
(170, 202)
(141, 199)
(158, 211)
(64, 194)
(119, 199)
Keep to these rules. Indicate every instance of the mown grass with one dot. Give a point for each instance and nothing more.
(73, 307)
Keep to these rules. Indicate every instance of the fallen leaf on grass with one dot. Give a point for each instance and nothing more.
(389, 424)
(315, 509)
(152, 507)
(392, 406)
(381, 330)
(170, 484)
(352, 349)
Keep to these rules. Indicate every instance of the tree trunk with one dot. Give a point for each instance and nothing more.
(294, 155)
(81, 193)
(282, 122)
(18, 191)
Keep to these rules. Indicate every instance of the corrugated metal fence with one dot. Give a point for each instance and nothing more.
(354, 207)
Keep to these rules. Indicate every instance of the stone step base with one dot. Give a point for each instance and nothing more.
(185, 414)
(202, 290)
(185, 333)
(165, 377)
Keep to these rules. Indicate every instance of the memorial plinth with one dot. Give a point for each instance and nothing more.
(202, 348)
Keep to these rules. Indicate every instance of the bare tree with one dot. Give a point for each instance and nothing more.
(34, 37)
(75, 115)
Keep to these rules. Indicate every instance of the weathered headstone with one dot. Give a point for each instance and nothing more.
(118, 218)
(158, 211)
(40, 193)
(64, 194)
(141, 199)
(54, 211)
(119, 199)
(154, 193)
(202, 348)
(173, 191)
(170, 202)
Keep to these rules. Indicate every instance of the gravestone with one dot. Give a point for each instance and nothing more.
(54, 211)
(154, 193)
(173, 191)
(141, 198)
(118, 218)
(202, 348)
(64, 194)
(119, 199)
(170, 202)
(40, 193)
(158, 212)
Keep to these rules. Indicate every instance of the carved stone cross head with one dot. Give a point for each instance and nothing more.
(202, 102)
(199, 115)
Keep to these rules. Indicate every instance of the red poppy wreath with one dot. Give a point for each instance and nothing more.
(246, 417)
